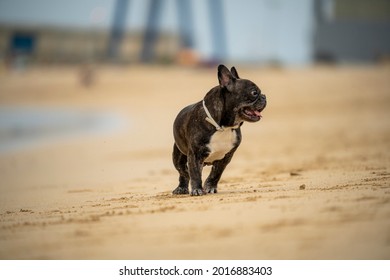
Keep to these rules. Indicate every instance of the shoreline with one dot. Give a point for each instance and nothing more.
(26, 127)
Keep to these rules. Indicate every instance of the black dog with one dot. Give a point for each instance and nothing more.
(208, 132)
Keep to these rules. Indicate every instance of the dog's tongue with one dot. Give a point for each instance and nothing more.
(254, 113)
(257, 113)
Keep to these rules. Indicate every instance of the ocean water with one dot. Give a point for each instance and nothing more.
(28, 127)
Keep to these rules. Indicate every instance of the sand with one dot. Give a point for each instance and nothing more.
(311, 180)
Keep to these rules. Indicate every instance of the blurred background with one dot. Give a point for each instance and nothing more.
(188, 32)
(88, 94)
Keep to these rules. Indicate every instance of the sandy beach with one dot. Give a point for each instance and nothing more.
(311, 180)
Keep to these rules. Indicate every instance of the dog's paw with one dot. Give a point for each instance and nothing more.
(211, 190)
(197, 192)
(180, 190)
(208, 188)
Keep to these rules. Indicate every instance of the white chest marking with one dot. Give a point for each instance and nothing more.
(221, 142)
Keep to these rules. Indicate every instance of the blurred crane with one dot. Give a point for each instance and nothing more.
(185, 28)
(117, 28)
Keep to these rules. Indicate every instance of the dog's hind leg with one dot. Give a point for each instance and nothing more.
(180, 163)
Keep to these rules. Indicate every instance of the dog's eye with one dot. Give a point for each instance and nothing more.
(254, 93)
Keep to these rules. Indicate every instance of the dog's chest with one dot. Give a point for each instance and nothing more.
(221, 142)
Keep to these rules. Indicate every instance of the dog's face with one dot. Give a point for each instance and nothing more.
(243, 97)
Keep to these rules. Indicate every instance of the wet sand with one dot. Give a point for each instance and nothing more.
(311, 180)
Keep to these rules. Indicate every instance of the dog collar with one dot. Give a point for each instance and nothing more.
(210, 119)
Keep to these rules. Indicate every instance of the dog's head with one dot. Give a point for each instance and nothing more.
(242, 97)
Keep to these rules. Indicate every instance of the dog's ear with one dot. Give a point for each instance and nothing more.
(224, 76)
(234, 72)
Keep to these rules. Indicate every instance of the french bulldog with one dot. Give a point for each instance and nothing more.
(209, 131)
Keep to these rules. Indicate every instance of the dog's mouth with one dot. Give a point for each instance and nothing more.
(251, 114)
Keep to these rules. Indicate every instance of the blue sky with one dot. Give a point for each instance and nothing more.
(74, 13)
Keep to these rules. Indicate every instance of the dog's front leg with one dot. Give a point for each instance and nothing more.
(219, 166)
(195, 166)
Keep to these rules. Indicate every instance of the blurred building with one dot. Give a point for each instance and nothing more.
(50, 45)
(279, 32)
(352, 30)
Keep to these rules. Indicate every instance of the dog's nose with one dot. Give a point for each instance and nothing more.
(263, 100)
